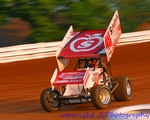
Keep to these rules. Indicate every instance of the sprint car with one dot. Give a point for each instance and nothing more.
(90, 80)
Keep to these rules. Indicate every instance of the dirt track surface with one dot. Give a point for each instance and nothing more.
(21, 84)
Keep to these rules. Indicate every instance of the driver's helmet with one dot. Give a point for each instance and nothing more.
(94, 62)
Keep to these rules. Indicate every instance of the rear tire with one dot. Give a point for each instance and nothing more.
(123, 92)
(50, 100)
(100, 96)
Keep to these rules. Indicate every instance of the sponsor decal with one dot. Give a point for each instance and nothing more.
(86, 43)
(71, 75)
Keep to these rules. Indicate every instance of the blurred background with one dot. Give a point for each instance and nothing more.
(32, 21)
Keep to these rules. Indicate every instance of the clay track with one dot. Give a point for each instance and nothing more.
(21, 84)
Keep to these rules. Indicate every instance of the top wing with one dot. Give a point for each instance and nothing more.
(84, 44)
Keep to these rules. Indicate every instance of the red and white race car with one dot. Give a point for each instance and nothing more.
(90, 81)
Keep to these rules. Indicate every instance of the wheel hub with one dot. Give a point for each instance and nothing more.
(104, 96)
(128, 89)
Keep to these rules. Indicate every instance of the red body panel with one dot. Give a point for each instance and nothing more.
(69, 77)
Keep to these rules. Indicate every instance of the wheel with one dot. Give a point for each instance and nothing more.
(123, 92)
(50, 100)
(100, 96)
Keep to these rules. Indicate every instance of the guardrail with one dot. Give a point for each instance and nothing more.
(48, 49)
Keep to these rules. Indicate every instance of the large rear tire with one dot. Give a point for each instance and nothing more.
(123, 92)
(50, 100)
(100, 96)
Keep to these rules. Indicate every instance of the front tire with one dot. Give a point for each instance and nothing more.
(100, 96)
(123, 92)
(50, 100)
